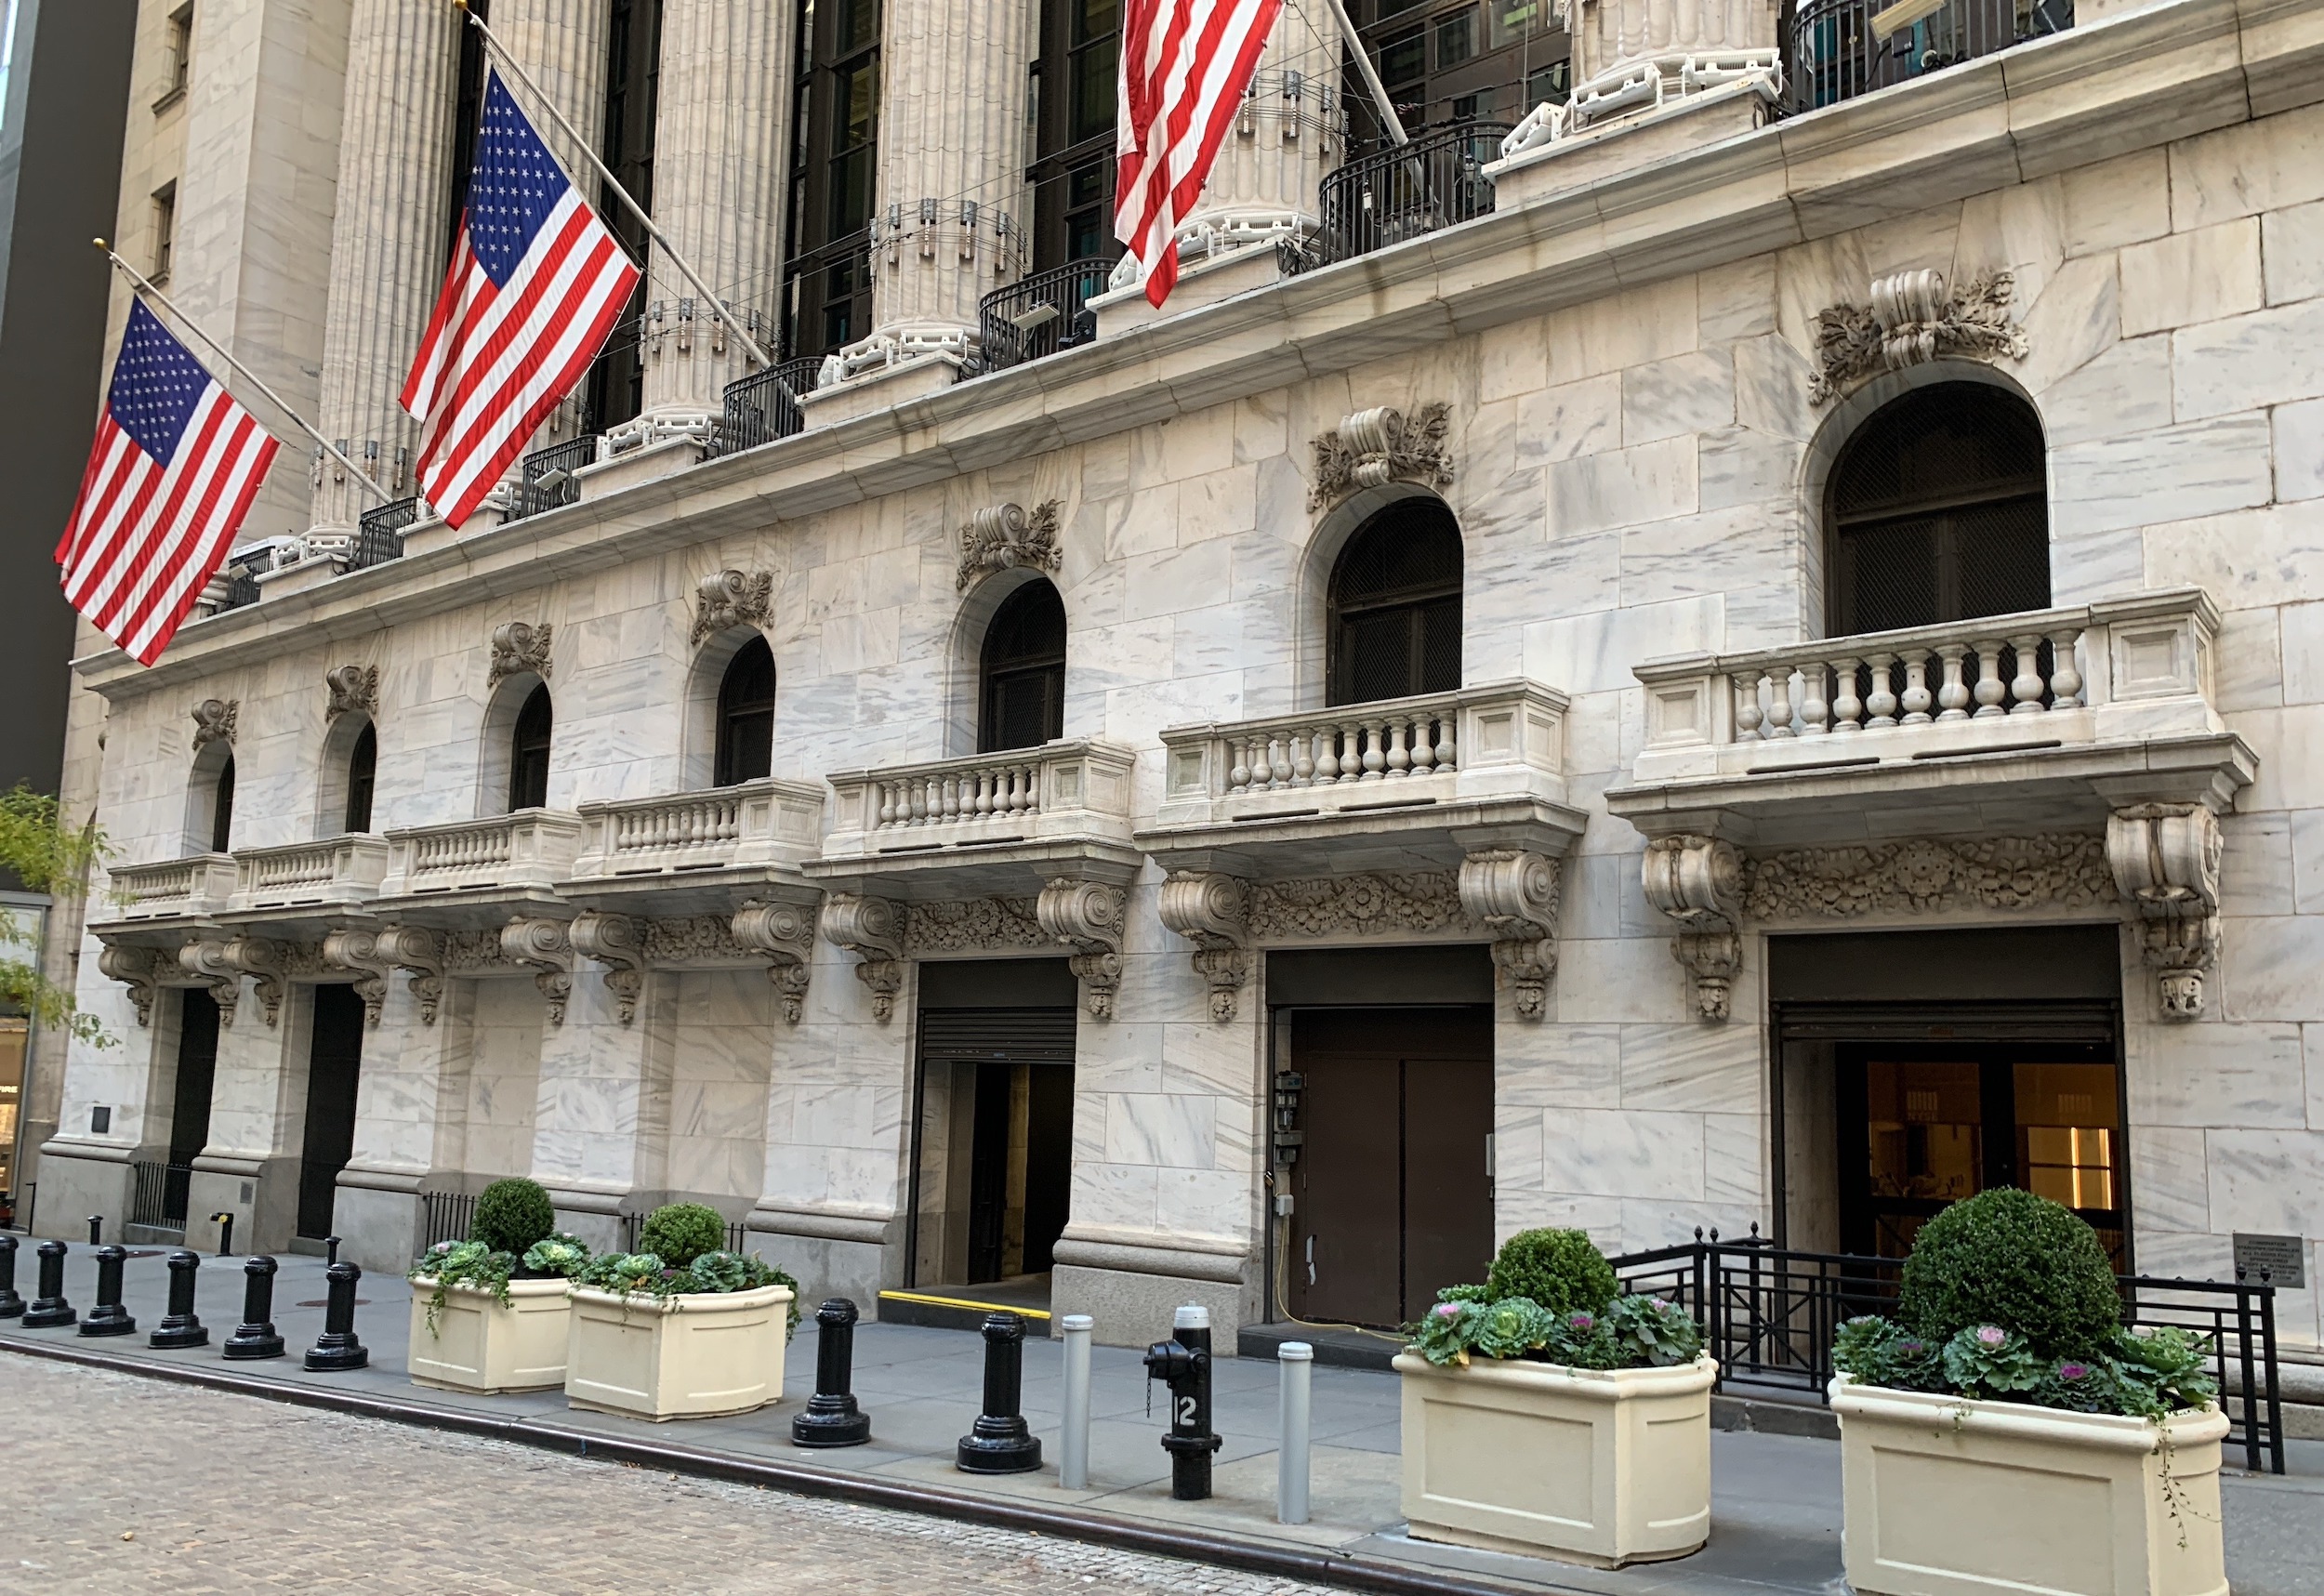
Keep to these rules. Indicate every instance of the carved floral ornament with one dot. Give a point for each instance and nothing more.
(1912, 320)
(353, 688)
(1373, 448)
(519, 647)
(213, 722)
(1002, 537)
(729, 598)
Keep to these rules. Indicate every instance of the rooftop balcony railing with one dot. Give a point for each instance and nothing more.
(379, 532)
(1048, 311)
(752, 823)
(1078, 789)
(532, 850)
(203, 884)
(1435, 181)
(336, 870)
(1843, 48)
(756, 410)
(548, 482)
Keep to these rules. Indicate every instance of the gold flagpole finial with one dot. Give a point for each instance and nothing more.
(102, 245)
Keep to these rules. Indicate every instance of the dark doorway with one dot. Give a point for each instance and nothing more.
(189, 1099)
(1024, 697)
(1391, 1191)
(334, 1061)
(994, 1170)
(362, 772)
(1395, 606)
(746, 716)
(222, 809)
(528, 752)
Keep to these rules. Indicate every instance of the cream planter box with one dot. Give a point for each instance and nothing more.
(1945, 1497)
(481, 1345)
(1598, 1466)
(693, 1356)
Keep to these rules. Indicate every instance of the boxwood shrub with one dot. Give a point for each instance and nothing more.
(2010, 1259)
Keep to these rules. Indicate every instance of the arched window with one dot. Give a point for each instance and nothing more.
(362, 763)
(1937, 512)
(746, 716)
(1395, 606)
(222, 809)
(528, 753)
(1022, 704)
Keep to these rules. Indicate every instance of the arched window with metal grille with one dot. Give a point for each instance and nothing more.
(745, 747)
(1021, 703)
(1395, 606)
(528, 752)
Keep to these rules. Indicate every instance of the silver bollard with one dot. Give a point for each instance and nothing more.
(1073, 1468)
(1298, 1361)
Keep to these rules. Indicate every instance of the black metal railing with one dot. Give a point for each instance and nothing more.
(1435, 181)
(736, 1232)
(242, 588)
(1048, 311)
(756, 410)
(1836, 54)
(1769, 1314)
(548, 482)
(446, 1216)
(157, 1193)
(379, 532)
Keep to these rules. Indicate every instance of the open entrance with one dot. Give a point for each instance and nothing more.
(335, 1059)
(189, 1097)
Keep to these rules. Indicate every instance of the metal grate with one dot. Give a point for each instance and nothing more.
(1046, 312)
(446, 1216)
(1841, 48)
(1435, 181)
(756, 412)
(157, 1195)
(379, 532)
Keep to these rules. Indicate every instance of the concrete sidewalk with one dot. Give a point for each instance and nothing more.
(1775, 1504)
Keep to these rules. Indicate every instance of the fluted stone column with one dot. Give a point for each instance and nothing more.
(387, 243)
(719, 169)
(1264, 184)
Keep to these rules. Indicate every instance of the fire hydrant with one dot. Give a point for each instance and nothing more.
(1183, 1365)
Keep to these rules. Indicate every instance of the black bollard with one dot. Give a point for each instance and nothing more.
(225, 1223)
(1001, 1442)
(1182, 1364)
(49, 1308)
(97, 1230)
(109, 1317)
(11, 1305)
(337, 1349)
(179, 1327)
(330, 1250)
(255, 1337)
(832, 1418)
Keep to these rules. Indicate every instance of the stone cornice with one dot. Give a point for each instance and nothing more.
(2097, 91)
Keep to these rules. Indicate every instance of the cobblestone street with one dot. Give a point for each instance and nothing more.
(122, 1484)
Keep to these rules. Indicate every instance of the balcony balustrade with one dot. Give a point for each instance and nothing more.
(1843, 48)
(1063, 789)
(750, 824)
(1046, 312)
(203, 884)
(546, 479)
(1435, 181)
(756, 411)
(336, 870)
(530, 850)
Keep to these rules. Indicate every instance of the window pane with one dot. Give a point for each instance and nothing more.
(1094, 77)
(1510, 20)
(1378, 653)
(222, 810)
(1403, 58)
(859, 25)
(1456, 38)
(1095, 19)
(1925, 1123)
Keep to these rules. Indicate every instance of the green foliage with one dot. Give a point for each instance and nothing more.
(1562, 1270)
(512, 1215)
(558, 1255)
(469, 1264)
(1448, 1330)
(1651, 1333)
(2007, 1258)
(2162, 1371)
(2143, 1373)
(1582, 1341)
(1511, 1327)
(1987, 1361)
(1871, 1349)
(1633, 1332)
(716, 1273)
(680, 1233)
(45, 856)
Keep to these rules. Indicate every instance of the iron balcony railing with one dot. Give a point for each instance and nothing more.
(1769, 1314)
(1435, 181)
(1841, 48)
(548, 482)
(756, 410)
(157, 1194)
(446, 1216)
(379, 532)
(1048, 311)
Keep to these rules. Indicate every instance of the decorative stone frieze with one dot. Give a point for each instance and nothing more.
(872, 929)
(353, 688)
(420, 954)
(139, 968)
(1212, 911)
(1514, 893)
(204, 959)
(1002, 537)
(613, 941)
(2165, 859)
(1911, 320)
(544, 946)
(964, 924)
(1697, 881)
(519, 647)
(784, 935)
(360, 950)
(728, 599)
(1390, 903)
(2047, 870)
(473, 953)
(1372, 448)
(1087, 917)
(213, 722)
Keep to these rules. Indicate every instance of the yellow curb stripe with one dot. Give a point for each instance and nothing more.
(962, 1302)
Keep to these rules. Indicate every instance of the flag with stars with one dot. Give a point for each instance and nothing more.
(536, 283)
(175, 466)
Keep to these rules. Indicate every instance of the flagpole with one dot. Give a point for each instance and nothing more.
(144, 284)
(1371, 76)
(718, 306)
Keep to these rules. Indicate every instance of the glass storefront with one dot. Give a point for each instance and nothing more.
(15, 1036)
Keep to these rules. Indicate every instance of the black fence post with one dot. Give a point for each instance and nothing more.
(50, 1309)
(109, 1317)
(337, 1349)
(97, 1230)
(1001, 1442)
(256, 1336)
(832, 1418)
(11, 1305)
(179, 1327)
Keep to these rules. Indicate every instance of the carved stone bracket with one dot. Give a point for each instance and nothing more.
(872, 929)
(213, 722)
(1087, 917)
(2165, 859)
(360, 950)
(204, 959)
(1372, 448)
(1213, 912)
(1698, 882)
(783, 934)
(519, 647)
(266, 962)
(545, 947)
(728, 599)
(1515, 894)
(612, 940)
(420, 954)
(1004, 537)
(140, 970)
(1912, 320)
(353, 688)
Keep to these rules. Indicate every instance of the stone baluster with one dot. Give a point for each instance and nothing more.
(1302, 758)
(1238, 775)
(2026, 686)
(1847, 709)
(1989, 689)
(1882, 700)
(1814, 709)
(1748, 716)
(1448, 746)
(1952, 696)
(2066, 675)
(1917, 700)
(1278, 765)
(1399, 758)
(1780, 701)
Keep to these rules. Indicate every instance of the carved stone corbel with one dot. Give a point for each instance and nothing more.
(206, 960)
(727, 599)
(1212, 911)
(1002, 537)
(353, 688)
(872, 929)
(420, 953)
(213, 722)
(140, 970)
(358, 949)
(1087, 917)
(1698, 882)
(265, 961)
(783, 934)
(519, 647)
(1516, 892)
(1372, 448)
(612, 940)
(2165, 859)
(545, 947)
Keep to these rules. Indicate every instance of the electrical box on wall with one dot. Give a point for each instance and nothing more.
(1288, 1136)
(101, 1121)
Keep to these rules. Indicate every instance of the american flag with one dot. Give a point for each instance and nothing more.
(536, 283)
(1184, 65)
(175, 466)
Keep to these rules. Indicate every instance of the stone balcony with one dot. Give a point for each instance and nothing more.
(511, 856)
(187, 889)
(334, 871)
(698, 852)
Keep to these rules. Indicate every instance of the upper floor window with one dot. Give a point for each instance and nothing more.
(165, 229)
(1938, 513)
(210, 800)
(746, 716)
(835, 154)
(1395, 606)
(1073, 117)
(633, 78)
(180, 51)
(1024, 675)
(467, 118)
(528, 752)
(1455, 61)
(363, 762)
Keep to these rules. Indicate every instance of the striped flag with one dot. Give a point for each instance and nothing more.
(536, 283)
(1184, 65)
(175, 466)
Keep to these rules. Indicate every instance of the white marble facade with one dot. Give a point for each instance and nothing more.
(1636, 464)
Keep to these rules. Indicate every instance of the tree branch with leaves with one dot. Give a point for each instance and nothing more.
(45, 855)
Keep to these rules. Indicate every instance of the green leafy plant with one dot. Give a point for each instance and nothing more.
(1448, 1330)
(680, 1233)
(1582, 1341)
(1987, 1361)
(1651, 1333)
(512, 1215)
(1562, 1270)
(45, 855)
(555, 1256)
(2162, 1371)
(469, 1264)
(1876, 1352)
(1633, 1332)
(1511, 1327)
(2007, 1258)
(717, 1272)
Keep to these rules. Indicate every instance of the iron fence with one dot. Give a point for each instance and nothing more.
(1769, 1314)
(446, 1216)
(1048, 311)
(242, 588)
(1435, 181)
(548, 482)
(1841, 48)
(157, 1193)
(736, 1232)
(756, 411)
(379, 532)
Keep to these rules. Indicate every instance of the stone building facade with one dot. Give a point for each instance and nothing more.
(1739, 669)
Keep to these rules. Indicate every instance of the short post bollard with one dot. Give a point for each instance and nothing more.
(11, 1305)
(97, 1230)
(832, 1418)
(109, 1317)
(1182, 1364)
(256, 1336)
(1001, 1442)
(1073, 1465)
(49, 1308)
(330, 1250)
(225, 1223)
(179, 1327)
(1298, 1362)
(337, 1349)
